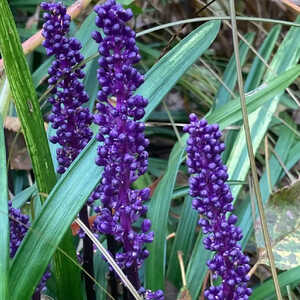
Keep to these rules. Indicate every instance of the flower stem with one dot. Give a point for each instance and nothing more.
(88, 263)
(112, 246)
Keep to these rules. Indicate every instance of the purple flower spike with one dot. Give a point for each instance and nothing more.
(122, 152)
(18, 225)
(68, 117)
(213, 201)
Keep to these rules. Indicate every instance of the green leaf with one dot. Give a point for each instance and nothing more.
(230, 74)
(258, 67)
(283, 219)
(195, 274)
(50, 225)
(35, 251)
(260, 119)
(197, 267)
(254, 79)
(282, 148)
(20, 199)
(267, 290)
(172, 65)
(184, 240)
(28, 110)
(158, 214)
(181, 57)
(5, 96)
(101, 270)
(4, 223)
(125, 2)
(231, 112)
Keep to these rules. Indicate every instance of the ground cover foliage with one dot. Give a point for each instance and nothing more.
(188, 60)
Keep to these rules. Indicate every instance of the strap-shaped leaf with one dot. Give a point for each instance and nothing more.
(56, 215)
(4, 224)
(230, 75)
(259, 122)
(28, 109)
(75, 186)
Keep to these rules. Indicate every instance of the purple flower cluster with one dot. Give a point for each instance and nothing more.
(68, 117)
(122, 151)
(18, 225)
(212, 199)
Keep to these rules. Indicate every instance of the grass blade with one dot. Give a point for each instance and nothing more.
(258, 67)
(74, 188)
(4, 223)
(20, 199)
(230, 75)
(231, 112)
(254, 79)
(158, 214)
(266, 290)
(22, 89)
(28, 109)
(195, 272)
(50, 225)
(261, 118)
(184, 239)
(176, 62)
(251, 153)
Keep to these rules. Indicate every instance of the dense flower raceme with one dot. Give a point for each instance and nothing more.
(68, 117)
(18, 225)
(122, 151)
(212, 199)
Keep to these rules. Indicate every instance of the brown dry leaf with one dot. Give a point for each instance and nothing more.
(12, 123)
(184, 295)
(33, 21)
(293, 5)
(154, 185)
(75, 227)
(17, 151)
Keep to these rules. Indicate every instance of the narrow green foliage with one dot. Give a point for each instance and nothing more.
(260, 120)
(266, 290)
(230, 75)
(38, 250)
(4, 222)
(100, 269)
(196, 273)
(258, 67)
(158, 214)
(254, 79)
(50, 225)
(172, 65)
(28, 109)
(5, 96)
(20, 199)
(184, 240)
(282, 148)
(197, 267)
(231, 112)
(23, 92)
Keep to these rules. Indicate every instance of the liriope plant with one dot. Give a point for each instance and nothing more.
(103, 176)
